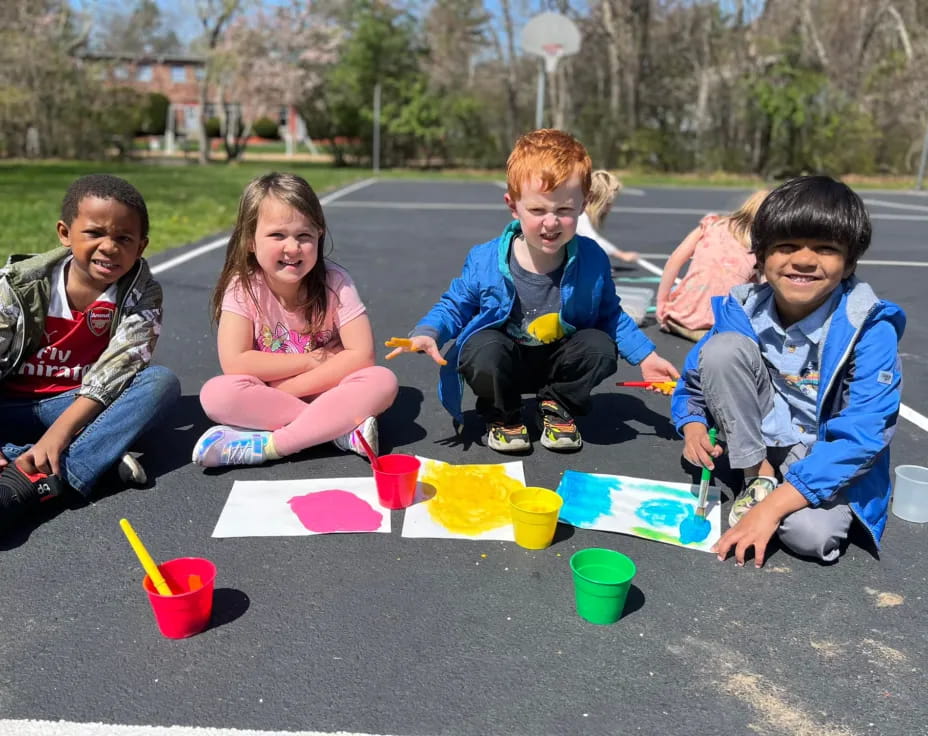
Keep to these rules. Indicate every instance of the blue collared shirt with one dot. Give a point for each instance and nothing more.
(792, 358)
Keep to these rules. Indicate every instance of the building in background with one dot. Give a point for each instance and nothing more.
(178, 77)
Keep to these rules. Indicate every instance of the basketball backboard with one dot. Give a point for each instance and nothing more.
(551, 36)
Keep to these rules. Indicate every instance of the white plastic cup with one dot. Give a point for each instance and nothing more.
(910, 494)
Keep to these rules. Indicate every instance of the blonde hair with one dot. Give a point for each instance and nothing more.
(551, 155)
(740, 221)
(240, 263)
(604, 188)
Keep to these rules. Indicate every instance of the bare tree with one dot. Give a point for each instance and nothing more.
(214, 16)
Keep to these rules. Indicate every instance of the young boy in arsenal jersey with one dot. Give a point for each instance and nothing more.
(78, 325)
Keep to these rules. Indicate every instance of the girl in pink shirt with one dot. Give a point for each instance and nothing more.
(719, 251)
(295, 343)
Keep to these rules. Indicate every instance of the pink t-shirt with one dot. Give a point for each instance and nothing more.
(719, 262)
(278, 330)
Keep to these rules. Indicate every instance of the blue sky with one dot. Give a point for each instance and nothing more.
(181, 15)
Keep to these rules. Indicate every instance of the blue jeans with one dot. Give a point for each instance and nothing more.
(102, 442)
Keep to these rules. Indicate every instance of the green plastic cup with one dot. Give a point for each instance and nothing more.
(602, 578)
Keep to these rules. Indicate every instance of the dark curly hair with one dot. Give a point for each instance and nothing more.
(104, 186)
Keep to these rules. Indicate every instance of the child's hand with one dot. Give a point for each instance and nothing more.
(655, 368)
(697, 448)
(3, 460)
(754, 530)
(45, 455)
(419, 344)
(660, 312)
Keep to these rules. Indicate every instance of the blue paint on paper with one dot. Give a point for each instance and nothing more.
(694, 529)
(662, 512)
(586, 497)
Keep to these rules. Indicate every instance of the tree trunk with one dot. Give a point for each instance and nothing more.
(203, 156)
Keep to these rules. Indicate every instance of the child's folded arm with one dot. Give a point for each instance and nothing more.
(357, 352)
(855, 436)
(130, 348)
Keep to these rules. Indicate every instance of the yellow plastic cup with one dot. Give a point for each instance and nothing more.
(534, 516)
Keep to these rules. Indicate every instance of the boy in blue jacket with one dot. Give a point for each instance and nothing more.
(802, 376)
(535, 310)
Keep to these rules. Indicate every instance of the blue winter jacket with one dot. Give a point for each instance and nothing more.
(858, 399)
(483, 295)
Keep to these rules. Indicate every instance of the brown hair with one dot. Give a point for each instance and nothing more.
(241, 263)
(552, 155)
(604, 188)
(740, 221)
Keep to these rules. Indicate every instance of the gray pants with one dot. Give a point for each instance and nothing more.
(738, 392)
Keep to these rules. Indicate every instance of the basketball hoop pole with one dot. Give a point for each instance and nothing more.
(550, 36)
(540, 96)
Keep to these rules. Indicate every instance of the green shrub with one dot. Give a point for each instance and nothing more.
(154, 114)
(213, 131)
(266, 128)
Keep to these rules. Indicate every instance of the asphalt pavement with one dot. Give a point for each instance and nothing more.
(373, 633)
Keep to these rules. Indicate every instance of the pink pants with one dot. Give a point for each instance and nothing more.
(246, 401)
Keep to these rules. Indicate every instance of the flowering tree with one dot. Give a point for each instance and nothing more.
(276, 57)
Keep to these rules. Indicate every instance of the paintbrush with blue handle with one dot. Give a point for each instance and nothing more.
(704, 481)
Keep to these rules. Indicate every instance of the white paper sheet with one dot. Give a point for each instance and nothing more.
(472, 499)
(275, 508)
(650, 509)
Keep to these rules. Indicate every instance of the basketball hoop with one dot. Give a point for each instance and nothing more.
(550, 36)
(552, 52)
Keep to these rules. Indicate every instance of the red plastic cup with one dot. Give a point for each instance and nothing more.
(396, 480)
(186, 613)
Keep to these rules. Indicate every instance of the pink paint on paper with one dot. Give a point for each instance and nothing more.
(325, 512)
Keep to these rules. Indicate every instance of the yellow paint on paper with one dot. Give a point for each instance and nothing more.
(469, 499)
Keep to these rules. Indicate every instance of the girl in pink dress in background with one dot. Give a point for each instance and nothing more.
(719, 251)
(295, 343)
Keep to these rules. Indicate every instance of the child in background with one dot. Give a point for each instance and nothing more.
(295, 343)
(535, 310)
(604, 188)
(78, 325)
(720, 251)
(802, 376)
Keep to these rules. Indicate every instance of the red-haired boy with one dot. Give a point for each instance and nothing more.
(535, 310)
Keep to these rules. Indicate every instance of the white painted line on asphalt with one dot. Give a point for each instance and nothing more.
(632, 191)
(865, 262)
(376, 205)
(648, 266)
(384, 205)
(189, 255)
(66, 728)
(911, 218)
(919, 420)
(917, 264)
(897, 205)
(220, 242)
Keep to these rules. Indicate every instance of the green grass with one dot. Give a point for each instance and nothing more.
(185, 202)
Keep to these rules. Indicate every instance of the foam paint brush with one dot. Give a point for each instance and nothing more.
(403, 342)
(665, 387)
(704, 481)
(148, 564)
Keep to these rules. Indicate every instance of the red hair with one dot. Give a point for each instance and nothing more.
(551, 155)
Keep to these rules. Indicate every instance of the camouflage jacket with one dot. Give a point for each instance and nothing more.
(25, 289)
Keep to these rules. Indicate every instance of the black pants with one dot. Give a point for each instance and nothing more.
(499, 370)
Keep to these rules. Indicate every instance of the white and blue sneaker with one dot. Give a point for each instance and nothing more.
(223, 445)
(349, 443)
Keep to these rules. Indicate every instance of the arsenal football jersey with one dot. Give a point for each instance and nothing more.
(71, 343)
